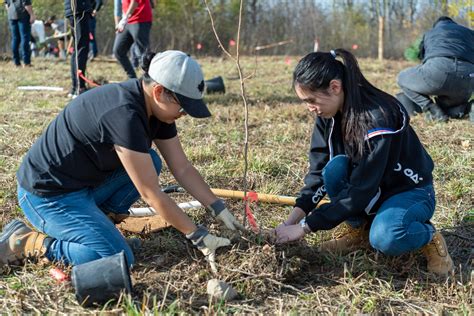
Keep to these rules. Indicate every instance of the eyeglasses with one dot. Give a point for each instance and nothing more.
(175, 99)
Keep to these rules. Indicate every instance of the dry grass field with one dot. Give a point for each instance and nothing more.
(171, 277)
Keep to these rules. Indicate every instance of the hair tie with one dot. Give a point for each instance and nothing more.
(333, 53)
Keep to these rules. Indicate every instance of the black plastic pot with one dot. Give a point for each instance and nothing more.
(215, 85)
(101, 280)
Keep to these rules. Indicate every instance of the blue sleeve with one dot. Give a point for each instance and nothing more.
(118, 8)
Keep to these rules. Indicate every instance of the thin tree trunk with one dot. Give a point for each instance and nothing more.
(380, 53)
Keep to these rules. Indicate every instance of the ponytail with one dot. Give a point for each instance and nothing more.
(145, 65)
(316, 70)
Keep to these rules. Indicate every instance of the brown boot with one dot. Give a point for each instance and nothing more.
(437, 255)
(347, 239)
(18, 242)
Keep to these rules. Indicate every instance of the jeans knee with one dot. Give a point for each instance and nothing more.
(383, 238)
(156, 161)
(336, 174)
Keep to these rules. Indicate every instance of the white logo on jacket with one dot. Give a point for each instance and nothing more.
(318, 195)
(409, 173)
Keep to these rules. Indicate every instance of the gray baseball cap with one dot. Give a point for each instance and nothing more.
(179, 73)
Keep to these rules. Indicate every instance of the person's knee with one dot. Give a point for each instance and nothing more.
(118, 53)
(156, 161)
(401, 81)
(335, 174)
(383, 238)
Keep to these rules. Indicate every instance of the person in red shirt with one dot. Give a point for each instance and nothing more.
(133, 28)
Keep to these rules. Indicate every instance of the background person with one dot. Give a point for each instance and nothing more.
(79, 14)
(95, 160)
(441, 85)
(133, 28)
(20, 17)
(59, 27)
(94, 50)
(368, 159)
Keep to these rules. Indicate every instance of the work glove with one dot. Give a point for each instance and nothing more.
(205, 242)
(289, 233)
(222, 214)
(121, 24)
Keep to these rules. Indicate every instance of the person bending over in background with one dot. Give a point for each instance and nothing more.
(442, 85)
(59, 27)
(367, 158)
(95, 160)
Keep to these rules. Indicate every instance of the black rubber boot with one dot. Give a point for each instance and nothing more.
(435, 113)
(411, 107)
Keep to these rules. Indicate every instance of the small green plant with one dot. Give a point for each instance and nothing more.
(412, 52)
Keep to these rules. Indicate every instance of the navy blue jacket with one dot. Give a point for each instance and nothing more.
(448, 39)
(81, 6)
(395, 162)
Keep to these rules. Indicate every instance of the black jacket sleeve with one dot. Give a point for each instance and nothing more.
(313, 190)
(363, 185)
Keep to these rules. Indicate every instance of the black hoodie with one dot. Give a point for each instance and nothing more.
(394, 161)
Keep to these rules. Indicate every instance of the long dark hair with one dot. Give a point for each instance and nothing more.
(316, 70)
(145, 65)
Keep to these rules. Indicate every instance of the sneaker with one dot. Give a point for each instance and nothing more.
(73, 92)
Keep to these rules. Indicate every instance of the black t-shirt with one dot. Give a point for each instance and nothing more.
(77, 149)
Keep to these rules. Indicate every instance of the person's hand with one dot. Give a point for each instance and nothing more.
(289, 233)
(284, 224)
(121, 24)
(205, 242)
(222, 214)
(295, 217)
(32, 18)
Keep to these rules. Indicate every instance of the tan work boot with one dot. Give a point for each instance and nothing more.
(437, 255)
(18, 242)
(347, 239)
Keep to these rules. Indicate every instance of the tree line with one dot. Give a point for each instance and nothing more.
(351, 24)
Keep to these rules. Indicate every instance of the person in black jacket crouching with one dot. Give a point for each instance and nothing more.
(368, 159)
(443, 84)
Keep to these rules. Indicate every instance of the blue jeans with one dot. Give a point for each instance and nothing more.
(401, 224)
(21, 33)
(80, 230)
(93, 43)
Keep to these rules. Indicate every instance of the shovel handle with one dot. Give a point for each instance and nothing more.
(267, 198)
